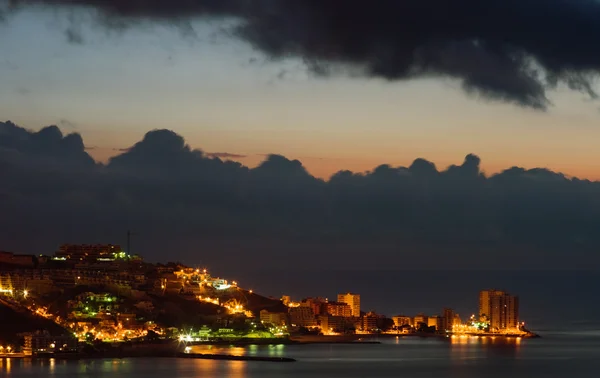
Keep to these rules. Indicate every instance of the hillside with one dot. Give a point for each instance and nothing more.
(16, 321)
(257, 302)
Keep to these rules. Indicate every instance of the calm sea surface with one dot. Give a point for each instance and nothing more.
(565, 354)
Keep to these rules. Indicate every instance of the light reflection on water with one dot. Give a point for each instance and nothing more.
(484, 340)
(250, 350)
(5, 365)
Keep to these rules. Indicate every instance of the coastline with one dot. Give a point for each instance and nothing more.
(371, 339)
(174, 349)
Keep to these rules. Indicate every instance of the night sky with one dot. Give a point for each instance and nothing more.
(346, 134)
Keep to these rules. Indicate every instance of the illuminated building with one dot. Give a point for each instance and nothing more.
(44, 343)
(86, 252)
(485, 304)
(302, 317)
(436, 322)
(40, 285)
(457, 320)
(275, 318)
(109, 275)
(369, 321)
(335, 324)
(499, 308)
(420, 318)
(200, 279)
(512, 312)
(401, 320)
(315, 304)
(352, 300)
(338, 309)
(6, 284)
(505, 312)
(448, 320)
(15, 283)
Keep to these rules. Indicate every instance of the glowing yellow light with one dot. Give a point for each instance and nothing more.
(25, 293)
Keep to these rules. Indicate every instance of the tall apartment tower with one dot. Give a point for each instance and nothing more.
(448, 320)
(499, 308)
(352, 300)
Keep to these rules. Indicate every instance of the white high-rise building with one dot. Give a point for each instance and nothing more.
(352, 300)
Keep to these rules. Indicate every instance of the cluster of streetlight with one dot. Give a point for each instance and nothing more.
(11, 292)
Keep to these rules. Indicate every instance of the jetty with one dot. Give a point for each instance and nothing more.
(527, 335)
(333, 339)
(229, 357)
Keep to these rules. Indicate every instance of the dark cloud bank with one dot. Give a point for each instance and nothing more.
(503, 50)
(187, 206)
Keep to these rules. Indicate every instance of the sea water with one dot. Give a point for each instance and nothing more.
(556, 354)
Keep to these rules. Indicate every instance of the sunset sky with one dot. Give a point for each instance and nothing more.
(224, 97)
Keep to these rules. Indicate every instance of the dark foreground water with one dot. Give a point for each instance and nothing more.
(564, 354)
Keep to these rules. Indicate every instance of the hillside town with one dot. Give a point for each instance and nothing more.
(91, 296)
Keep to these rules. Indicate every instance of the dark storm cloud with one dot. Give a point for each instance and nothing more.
(225, 155)
(49, 145)
(504, 50)
(185, 205)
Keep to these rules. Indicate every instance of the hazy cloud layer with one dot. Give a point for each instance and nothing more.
(185, 205)
(505, 50)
